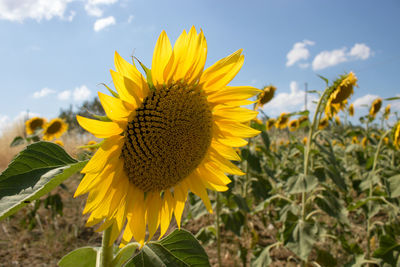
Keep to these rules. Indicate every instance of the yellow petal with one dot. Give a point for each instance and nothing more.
(129, 70)
(227, 139)
(161, 56)
(232, 95)
(114, 107)
(177, 59)
(237, 129)
(166, 212)
(218, 188)
(180, 196)
(212, 174)
(197, 187)
(138, 222)
(100, 129)
(226, 151)
(222, 72)
(224, 164)
(237, 113)
(153, 204)
(110, 148)
(127, 89)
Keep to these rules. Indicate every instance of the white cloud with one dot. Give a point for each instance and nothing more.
(92, 7)
(364, 100)
(360, 51)
(81, 93)
(42, 93)
(329, 58)
(100, 24)
(20, 10)
(288, 102)
(130, 19)
(298, 52)
(6, 122)
(64, 95)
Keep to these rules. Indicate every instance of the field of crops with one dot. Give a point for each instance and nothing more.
(316, 190)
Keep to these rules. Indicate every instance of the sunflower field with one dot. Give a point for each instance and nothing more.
(185, 170)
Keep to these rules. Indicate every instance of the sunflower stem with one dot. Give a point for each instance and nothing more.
(106, 250)
(217, 227)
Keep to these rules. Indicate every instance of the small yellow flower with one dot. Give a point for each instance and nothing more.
(387, 112)
(266, 95)
(91, 143)
(270, 123)
(334, 142)
(258, 121)
(364, 142)
(281, 121)
(396, 135)
(375, 107)
(323, 123)
(304, 140)
(54, 129)
(59, 142)
(294, 125)
(34, 124)
(354, 140)
(351, 110)
(386, 140)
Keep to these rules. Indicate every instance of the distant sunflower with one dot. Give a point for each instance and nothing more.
(386, 140)
(59, 142)
(54, 129)
(351, 110)
(354, 140)
(266, 95)
(34, 124)
(168, 134)
(270, 123)
(324, 122)
(303, 119)
(281, 121)
(364, 142)
(337, 120)
(294, 125)
(387, 112)
(91, 143)
(304, 140)
(343, 88)
(375, 107)
(396, 135)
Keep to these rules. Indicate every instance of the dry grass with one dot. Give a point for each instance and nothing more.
(6, 152)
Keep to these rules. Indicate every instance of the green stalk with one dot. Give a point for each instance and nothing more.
(370, 193)
(217, 228)
(106, 250)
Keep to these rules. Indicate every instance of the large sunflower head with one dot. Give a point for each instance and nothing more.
(396, 135)
(343, 88)
(281, 121)
(270, 123)
(172, 131)
(375, 107)
(387, 112)
(294, 125)
(266, 95)
(34, 124)
(351, 110)
(54, 129)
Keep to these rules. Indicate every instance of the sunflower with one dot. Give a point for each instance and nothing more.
(303, 119)
(386, 140)
(266, 95)
(305, 140)
(396, 135)
(54, 129)
(364, 142)
(354, 140)
(342, 89)
(270, 123)
(387, 112)
(281, 121)
(375, 107)
(324, 122)
(59, 142)
(294, 125)
(351, 110)
(168, 133)
(337, 120)
(91, 143)
(34, 124)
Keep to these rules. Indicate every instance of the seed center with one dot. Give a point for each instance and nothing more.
(168, 137)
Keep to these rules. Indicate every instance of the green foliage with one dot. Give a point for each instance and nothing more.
(81, 257)
(33, 173)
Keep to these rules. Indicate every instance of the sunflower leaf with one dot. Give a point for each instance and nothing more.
(180, 248)
(34, 172)
(81, 257)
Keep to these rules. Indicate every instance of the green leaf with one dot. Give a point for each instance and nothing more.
(180, 248)
(265, 139)
(389, 249)
(392, 98)
(81, 257)
(323, 78)
(124, 254)
(19, 140)
(33, 173)
(302, 238)
(300, 183)
(394, 186)
(241, 202)
(264, 259)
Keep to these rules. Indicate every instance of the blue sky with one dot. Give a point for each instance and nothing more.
(54, 53)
